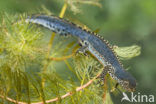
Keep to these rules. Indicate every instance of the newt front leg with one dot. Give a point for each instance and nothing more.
(83, 48)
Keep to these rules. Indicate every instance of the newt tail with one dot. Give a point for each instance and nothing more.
(91, 42)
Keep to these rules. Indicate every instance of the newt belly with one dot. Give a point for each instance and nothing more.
(91, 42)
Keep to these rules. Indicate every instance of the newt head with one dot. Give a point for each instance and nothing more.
(128, 83)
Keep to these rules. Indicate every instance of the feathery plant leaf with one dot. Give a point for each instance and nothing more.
(75, 4)
(20, 43)
(127, 53)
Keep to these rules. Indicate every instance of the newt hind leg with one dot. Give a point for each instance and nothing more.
(103, 74)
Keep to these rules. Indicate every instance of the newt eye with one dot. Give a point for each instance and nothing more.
(85, 42)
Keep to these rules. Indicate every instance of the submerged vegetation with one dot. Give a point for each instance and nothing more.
(30, 65)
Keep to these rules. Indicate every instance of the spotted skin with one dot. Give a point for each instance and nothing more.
(91, 42)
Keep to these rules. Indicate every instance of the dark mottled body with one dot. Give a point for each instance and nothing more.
(91, 42)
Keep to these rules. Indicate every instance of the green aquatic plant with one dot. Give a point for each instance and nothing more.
(36, 70)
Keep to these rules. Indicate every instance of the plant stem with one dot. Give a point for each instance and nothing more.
(51, 43)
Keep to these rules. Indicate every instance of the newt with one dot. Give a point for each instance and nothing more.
(91, 42)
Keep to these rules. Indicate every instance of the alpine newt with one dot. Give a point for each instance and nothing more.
(91, 42)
